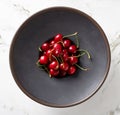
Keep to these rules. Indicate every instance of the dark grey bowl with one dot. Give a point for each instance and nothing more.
(70, 90)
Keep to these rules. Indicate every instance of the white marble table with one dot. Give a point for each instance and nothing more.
(12, 100)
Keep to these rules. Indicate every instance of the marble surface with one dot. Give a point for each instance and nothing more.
(12, 100)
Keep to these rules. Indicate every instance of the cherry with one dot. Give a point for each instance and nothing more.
(57, 49)
(56, 53)
(64, 66)
(48, 52)
(65, 51)
(73, 60)
(72, 70)
(58, 38)
(66, 43)
(52, 43)
(53, 72)
(57, 46)
(43, 59)
(63, 73)
(72, 49)
(45, 46)
(65, 57)
(54, 65)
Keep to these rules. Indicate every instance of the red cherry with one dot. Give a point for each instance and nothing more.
(65, 57)
(65, 51)
(43, 59)
(58, 38)
(72, 70)
(72, 49)
(67, 43)
(52, 43)
(73, 60)
(45, 46)
(57, 46)
(62, 73)
(57, 53)
(54, 65)
(48, 52)
(64, 66)
(53, 72)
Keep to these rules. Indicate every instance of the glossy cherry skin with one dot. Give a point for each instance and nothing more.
(64, 51)
(65, 57)
(64, 66)
(73, 60)
(48, 52)
(54, 65)
(57, 53)
(66, 43)
(62, 73)
(57, 46)
(45, 46)
(53, 72)
(72, 70)
(52, 42)
(58, 38)
(43, 59)
(72, 49)
(57, 49)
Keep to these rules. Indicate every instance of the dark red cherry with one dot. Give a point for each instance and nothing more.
(72, 49)
(62, 73)
(65, 57)
(52, 43)
(43, 59)
(73, 60)
(45, 46)
(64, 66)
(54, 65)
(53, 72)
(65, 51)
(57, 46)
(66, 43)
(72, 70)
(58, 38)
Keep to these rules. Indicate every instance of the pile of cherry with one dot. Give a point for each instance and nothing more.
(59, 56)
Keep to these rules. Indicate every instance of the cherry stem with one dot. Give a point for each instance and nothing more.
(80, 55)
(61, 58)
(40, 49)
(88, 54)
(58, 42)
(84, 69)
(55, 58)
(40, 65)
(77, 41)
(70, 35)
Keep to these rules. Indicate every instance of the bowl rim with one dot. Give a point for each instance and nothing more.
(26, 22)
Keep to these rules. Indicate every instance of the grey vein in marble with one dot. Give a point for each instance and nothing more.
(21, 9)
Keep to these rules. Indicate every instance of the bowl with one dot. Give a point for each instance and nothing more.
(70, 90)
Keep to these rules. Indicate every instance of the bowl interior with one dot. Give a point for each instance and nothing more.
(53, 91)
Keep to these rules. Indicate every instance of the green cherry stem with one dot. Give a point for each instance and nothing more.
(40, 49)
(38, 64)
(42, 67)
(84, 69)
(77, 41)
(70, 35)
(55, 58)
(88, 54)
(61, 58)
(80, 55)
